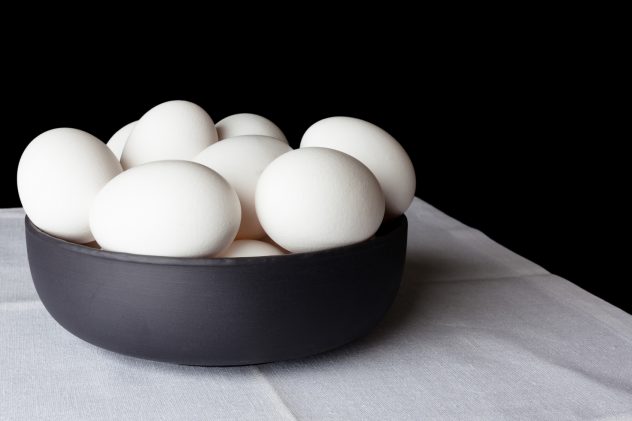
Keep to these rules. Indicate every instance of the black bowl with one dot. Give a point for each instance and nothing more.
(216, 312)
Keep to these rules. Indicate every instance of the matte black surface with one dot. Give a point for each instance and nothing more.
(218, 311)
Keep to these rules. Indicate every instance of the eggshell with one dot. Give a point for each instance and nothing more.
(269, 240)
(241, 160)
(171, 130)
(248, 124)
(166, 208)
(59, 174)
(118, 139)
(376, 149)
(317, 198)
(250, 248)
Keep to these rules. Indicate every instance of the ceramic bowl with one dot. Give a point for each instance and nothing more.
(217, 312)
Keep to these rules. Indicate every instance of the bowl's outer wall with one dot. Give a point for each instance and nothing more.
(230, 314)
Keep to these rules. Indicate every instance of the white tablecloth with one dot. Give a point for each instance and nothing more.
(476, 332)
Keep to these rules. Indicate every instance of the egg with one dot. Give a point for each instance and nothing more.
(118, 139)
(166, 208)
(59, 174)
(241, 160)
(248, 124)
(269, 240)
(317, 198)
(376, 149)
(174, 130)
(250, 248)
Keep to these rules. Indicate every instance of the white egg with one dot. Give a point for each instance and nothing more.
(269, 240)
(171, 130)
(250, 248)
(118, 139)
(376, 149)
(59, 174)
(241, 160)
(317, 198)
(166, 208)
(248, 124)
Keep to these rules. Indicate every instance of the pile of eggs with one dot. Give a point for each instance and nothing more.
(176, 184)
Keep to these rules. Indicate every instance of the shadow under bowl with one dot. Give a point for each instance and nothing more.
(219, 311)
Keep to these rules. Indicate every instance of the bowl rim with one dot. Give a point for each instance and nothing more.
(387, 229)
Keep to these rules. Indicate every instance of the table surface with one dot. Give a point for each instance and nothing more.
(476, 332)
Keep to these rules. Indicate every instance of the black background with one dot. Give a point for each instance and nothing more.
(504, 141)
